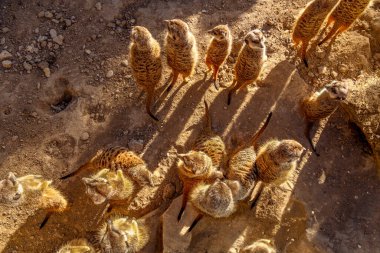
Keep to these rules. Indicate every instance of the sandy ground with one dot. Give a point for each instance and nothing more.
(331, 203)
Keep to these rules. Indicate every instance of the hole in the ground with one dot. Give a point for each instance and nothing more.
(63, 102)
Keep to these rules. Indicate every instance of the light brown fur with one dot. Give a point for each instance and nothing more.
(116, 158)
(35, 189)
(77, 246)
(309, 22)
(250, 61)
(259, 246)
(322, 104)
(241, 166)
(218, 49)
(144, 57)
(123, 234)
(181, 50)
(343, 15)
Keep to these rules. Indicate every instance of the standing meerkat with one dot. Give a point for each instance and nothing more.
(308, 24)
(77, 246)
(242, 162)
(145, 60)
(218, 50)
(32, 189)
(194, 168)
(115, 158)
(322, 104)
(107, 185)
(123, 234)
(181, 50)
(217, 199)
(250, 61)
(343, 15)
(275, 159)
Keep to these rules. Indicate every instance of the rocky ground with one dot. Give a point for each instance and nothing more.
(66, 91)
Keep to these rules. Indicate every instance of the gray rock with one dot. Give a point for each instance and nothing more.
(4, 55)
(7, 64)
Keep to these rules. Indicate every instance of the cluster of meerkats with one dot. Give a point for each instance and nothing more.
(213, 181)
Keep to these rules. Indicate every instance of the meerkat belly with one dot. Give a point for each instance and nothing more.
(147, 72)
(217, 53)
(248, 66)
(181, 59)
(241, 166)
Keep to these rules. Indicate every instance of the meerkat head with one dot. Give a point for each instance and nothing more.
(255, 39)
(260, 246)
(338, 89)
(235, 187)
(220, 32)
(98, 187)
(76, 246)
(11, 190)
(177, 29)
(141, 36)
(194, 163)
(288, 151)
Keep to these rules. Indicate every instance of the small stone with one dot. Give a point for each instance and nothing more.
(322, 178)
(5, 29)
(109, 74)
(46, 72)
(29, 57)
(4, 55)
(14, 138)
(311, 74)
(85, 136)
(34, 114)
(37, 30)
(342, 68)
(27, 66)
(48, 14)
(59, 40)
(334, 74)
(98, 6)
(204, 11)
(87, 51)
(53, 33)
(2, 41)
(124, 63)
(322, 70)
(68, 22)
(133, 21)
(136, 145)
(41, 14)
(7, 64)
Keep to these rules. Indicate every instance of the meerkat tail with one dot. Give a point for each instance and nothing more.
(208, 123)
(174, 80)
(215, 76)
(303, 53)
(260, 186)
(308, 128)
(148, 103)
(262, 129)
(43, 223)
(195, 222)
(75, 172)
(332, 32)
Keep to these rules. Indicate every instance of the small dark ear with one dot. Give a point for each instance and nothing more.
(210, 32)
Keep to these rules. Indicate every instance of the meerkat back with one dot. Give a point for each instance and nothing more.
(309, 22)
(343, 15)
(218, 49)
(145, 60)
(181, 50)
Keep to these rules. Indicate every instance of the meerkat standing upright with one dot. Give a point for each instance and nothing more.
(115, 158)
(322, 104)
(218, 49)
(343, 15)
(308, 24)
(145, 60)
(250, 61)
(181, 50)
(242, 161)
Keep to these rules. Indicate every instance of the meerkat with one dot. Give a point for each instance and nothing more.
(116, 158)
(259, 246)
(275, 159)
(343, 15)
(195, 167)
(217, 199)
(109, 186)
(77, 246)
(181, 50)
(242, 161)
(145, 60)
(250, 61)
(308, 24)
(34, 189)
(123, 234)
(218, 50)
(322, 104)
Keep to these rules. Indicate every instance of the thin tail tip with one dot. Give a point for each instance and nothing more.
(305, 62)
(153, 117)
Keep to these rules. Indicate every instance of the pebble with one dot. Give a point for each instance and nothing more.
(46, 72)
(136, 145)
(41, 14)
(343, 68)
(68, 22)
(98, 6)
(7, 64)
(48, 14)
(6, 29)
(124, 63)
(322, 70)
(133, 21)
(334, 74)
(27, 66)
(34, 114)
(2, 41)
(53, 33)
(59, 40)
(14, 138)
(109, 74)
(87, 51)
(4, 55)
(85, 136)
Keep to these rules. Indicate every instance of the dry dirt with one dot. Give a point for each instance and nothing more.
(330, 204)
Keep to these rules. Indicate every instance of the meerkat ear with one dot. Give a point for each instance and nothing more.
(211, 31)
(167, 22)
(12, 177)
